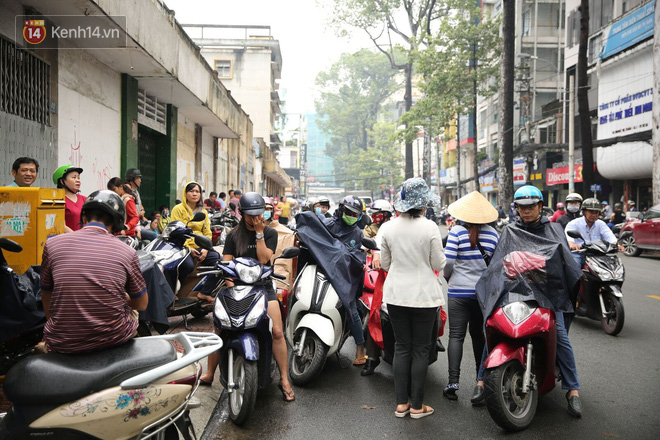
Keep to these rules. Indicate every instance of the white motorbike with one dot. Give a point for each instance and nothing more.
(137, 390)
(317, 323)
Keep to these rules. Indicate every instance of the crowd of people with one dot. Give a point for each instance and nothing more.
(105, 302)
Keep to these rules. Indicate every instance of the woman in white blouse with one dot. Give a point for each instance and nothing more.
(411, 251)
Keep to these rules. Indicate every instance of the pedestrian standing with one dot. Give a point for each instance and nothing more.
(470, 245)
(236, 201)
(68, 178)
(133, 178)
(124, 191)
(411, 250)
(283, 211)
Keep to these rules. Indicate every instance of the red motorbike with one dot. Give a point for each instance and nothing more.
(522, 342)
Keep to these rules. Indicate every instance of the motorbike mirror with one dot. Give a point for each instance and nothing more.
(198, 217)
(574, 234)
(290, 252)
(204, 242)
(10, 245)
(369, 243)
(232, 205)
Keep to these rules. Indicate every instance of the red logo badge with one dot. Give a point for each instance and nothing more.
(34, 31)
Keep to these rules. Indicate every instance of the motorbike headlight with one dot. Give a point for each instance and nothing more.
(248, 274)
(620, 271)
(221, 314)
(257, 311)
(517, 312)
(603, 273)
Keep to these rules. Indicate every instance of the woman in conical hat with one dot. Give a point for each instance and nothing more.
(470, 245)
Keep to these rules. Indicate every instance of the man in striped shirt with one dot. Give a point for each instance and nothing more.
(91, 281)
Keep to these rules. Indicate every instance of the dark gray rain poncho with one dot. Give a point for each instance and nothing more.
(531, 262)
(337, 249)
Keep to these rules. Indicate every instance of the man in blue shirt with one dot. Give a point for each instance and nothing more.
(590, 227)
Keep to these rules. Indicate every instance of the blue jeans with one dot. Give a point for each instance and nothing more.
(356, 324)
(579, 258)
(565, 358)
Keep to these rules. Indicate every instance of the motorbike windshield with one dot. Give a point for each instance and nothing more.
(529, 266)
(342, 267)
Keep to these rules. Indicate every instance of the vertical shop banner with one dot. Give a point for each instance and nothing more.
(519, 171)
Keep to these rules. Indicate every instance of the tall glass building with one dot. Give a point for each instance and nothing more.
(320, 169)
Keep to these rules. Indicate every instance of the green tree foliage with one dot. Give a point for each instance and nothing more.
(378, 164)
(463, 50)
(392, 25)
(353, 93)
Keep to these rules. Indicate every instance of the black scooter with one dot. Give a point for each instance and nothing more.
(600, 296)
(21, 310)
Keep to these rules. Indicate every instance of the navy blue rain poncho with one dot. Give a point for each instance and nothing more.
(337, 249)
(531, 262)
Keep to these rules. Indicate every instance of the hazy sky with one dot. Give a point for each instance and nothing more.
(307, 44)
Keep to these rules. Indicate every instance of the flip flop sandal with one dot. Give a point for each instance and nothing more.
(426, 411)
(402, 413)
(360, 361)
(286, 395)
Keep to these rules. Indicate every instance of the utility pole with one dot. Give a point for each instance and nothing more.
(458, 156)
(474, 118)
(505, 170)
(586, 142)
(656, 110)
(571, 135)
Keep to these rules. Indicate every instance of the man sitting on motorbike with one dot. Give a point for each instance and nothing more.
(285, 238)
(529, 203)
(91, 284)
(184, 212)
(343, 226)
(253, 239)
(573, 203)
(590, 227)
(617, 217)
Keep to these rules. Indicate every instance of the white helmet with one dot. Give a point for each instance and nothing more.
(381, 205)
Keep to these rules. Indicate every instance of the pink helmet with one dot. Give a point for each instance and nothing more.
(560, 205)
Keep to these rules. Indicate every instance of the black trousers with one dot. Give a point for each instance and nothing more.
(464, 312)
(413, 331)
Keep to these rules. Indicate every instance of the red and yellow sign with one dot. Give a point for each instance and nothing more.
(34, 31)
(558, 176)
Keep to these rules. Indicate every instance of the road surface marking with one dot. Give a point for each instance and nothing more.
(654, 296)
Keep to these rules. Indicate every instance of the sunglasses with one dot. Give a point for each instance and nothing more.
(351, 214)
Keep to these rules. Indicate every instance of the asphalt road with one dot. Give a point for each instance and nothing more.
(620, 378)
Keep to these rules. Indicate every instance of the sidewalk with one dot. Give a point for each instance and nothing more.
(208, 396)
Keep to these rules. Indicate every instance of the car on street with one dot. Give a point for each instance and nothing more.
(643, 233)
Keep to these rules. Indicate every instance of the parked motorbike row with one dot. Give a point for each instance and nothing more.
(143, 387)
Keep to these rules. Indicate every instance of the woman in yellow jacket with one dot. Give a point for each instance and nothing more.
(184, 212)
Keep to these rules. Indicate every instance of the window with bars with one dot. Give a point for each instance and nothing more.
(151, 112)
(24, 84)
(223, 67)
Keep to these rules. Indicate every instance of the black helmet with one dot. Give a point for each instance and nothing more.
(324, 201)
(591, 204)
(351, 203)
(252, 204)
(109, 202)
(132, 174)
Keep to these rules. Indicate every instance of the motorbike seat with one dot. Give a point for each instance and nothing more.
(56, 378)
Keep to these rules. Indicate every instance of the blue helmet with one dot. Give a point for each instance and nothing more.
(528, 195)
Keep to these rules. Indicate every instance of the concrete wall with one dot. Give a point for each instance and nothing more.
(250, 84)
(89, 123)
(185, 161)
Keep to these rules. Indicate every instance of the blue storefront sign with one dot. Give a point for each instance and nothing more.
(630, 29)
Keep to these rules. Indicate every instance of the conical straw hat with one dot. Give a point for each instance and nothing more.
(473, 208)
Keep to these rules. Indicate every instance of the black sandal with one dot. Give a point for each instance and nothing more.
(286, 395)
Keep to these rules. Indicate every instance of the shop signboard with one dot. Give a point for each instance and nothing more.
(519, 171)
(630, 29)
(487, 182)
(559, 175)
